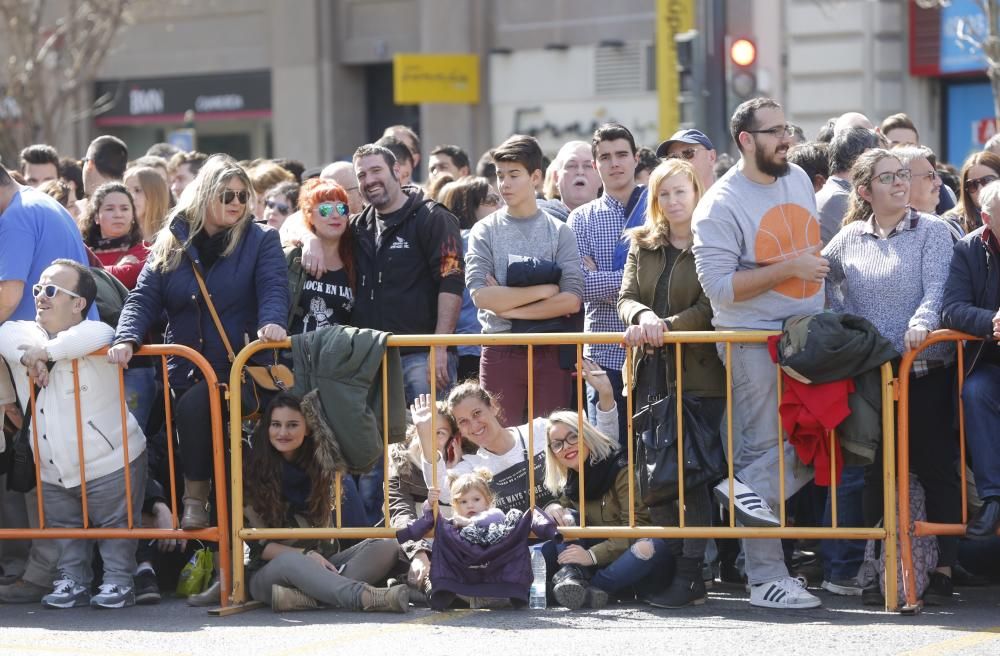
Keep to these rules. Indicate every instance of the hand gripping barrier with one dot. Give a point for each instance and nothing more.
(678, 339)
(921, 528)
(219, 533)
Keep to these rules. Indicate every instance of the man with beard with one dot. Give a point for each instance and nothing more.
(756, 249)
(410, 271)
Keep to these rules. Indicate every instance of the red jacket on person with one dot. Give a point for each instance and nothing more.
(127, 273)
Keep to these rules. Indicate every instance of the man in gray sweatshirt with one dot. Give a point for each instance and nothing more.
(756, 249)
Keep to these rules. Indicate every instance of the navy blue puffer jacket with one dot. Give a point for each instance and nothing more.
(249, 288)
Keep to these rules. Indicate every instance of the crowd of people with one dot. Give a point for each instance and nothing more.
(863, 224)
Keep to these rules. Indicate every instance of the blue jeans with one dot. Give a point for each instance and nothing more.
(352, 509)
(981, 395)
(415, 379)
(140, 393)
(615, 378)
(372, 494)
(628, 571)
(842, 558)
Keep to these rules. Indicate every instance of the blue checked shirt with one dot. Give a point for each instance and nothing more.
(598, 227)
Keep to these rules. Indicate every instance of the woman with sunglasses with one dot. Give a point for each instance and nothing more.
(470, 198)
(279, 203)
(209, 235)
(889, 264)
(979, 170)
(317, 302)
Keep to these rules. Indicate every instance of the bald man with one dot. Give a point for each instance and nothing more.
(852, 120)
(343, 174)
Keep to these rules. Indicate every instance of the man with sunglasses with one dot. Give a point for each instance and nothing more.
(48, 354)
(756, 249)
(693, 146)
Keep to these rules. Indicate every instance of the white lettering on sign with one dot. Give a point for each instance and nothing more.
(225, 103)
(145, 101)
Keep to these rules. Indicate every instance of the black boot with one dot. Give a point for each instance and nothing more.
(687, 588)
(569, 586)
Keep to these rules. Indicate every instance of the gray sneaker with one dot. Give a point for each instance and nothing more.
(67, 594)
(113, 596)
(22, 592)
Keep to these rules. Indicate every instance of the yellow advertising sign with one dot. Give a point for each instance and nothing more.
(672, 17)
(435, 79)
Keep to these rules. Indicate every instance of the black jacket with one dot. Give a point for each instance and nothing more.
(972, 293)
(419, 256)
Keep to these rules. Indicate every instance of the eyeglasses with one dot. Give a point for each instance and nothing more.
(51, 290)
(229, 196)
(974, 185)
(687, 153)
(326, 209)
(778, 131)
(930, 175)
(281, 208)
(903, 175)
(558, 445)
(492, 199)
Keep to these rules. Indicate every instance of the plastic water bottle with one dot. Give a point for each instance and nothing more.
(536, 597)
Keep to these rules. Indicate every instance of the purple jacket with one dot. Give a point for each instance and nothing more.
(459, 567)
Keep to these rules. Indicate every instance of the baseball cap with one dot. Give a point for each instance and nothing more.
(684, 136)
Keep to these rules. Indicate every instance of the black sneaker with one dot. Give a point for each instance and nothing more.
(147, 591)
(940, 590)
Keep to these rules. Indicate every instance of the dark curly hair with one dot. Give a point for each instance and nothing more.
(262, 472)
(88, 224)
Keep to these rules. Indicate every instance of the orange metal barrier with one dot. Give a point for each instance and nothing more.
(922, 528)
(219, 533)
(887, 533)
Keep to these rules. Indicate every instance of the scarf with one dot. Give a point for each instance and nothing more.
(600, 477)
(210, 247)
(123, 243)
(295, 487)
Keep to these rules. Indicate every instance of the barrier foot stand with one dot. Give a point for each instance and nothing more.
(233, 609)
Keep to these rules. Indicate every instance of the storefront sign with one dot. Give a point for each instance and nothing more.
(435, 79)
(969, 110)
(962, 54)
(165, 100)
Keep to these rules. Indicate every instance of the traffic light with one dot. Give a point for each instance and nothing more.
(691, 79)
(741, 71)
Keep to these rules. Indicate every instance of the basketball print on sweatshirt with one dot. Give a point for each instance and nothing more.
(787, 231)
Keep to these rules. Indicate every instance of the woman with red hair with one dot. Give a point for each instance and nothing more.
(329, 299)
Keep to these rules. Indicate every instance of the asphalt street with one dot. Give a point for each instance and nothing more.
(727, 624)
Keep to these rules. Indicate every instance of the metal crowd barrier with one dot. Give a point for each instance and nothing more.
(923, 528)
(219, 533)
(887, 533)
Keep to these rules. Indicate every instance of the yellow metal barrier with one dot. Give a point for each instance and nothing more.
(219, 533)
(887, 534)
(922, 528)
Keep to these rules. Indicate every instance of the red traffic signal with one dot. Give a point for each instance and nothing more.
(743, 52)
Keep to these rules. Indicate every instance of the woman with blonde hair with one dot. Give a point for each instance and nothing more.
(660, 292)
(152, 198)
(209, 242)
(587, 571)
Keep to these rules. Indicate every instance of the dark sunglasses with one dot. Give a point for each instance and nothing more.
(51, 290)
(281, 208)
(326, 209)
(974, 185)
(229, 196)
(687, 153)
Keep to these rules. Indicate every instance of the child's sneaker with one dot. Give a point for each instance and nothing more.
(66, 594)
(113, 596)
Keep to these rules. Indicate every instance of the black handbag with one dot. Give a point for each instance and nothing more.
(21, 471)
(655, 426)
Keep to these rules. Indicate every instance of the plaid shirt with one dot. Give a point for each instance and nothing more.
(598, 226)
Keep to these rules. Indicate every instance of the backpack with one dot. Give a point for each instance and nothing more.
(925, 550)
(111, 295)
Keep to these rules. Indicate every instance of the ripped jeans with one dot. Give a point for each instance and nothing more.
(647, 564)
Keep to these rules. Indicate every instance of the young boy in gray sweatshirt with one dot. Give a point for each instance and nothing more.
(512, 234)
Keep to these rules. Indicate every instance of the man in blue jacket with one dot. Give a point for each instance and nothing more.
(971, 302)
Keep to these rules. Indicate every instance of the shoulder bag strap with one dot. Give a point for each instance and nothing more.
(211, 310)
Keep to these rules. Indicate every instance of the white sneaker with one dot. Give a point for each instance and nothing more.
(844, 588)
(750, 508)
(783, 593)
